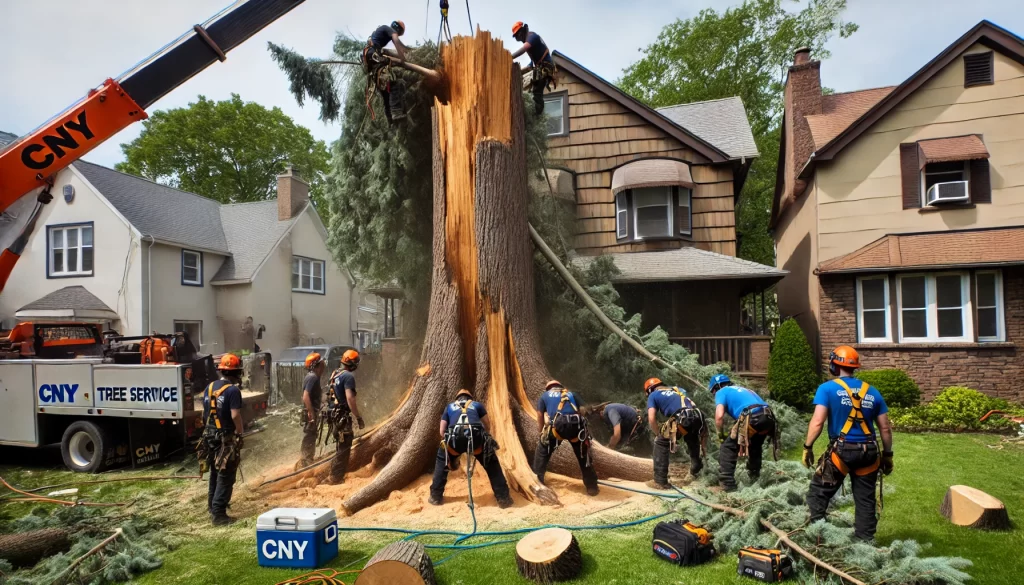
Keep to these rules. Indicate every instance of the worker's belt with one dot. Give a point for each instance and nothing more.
(544, 73)
(569, 427)
(756, 419)
(229, 452)
(684, 421)
(832, 467)
(459, 438)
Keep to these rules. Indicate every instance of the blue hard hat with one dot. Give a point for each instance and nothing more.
(718, 381)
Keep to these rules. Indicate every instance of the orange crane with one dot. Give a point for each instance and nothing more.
(30, 163)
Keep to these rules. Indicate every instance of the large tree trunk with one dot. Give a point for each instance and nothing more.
(482, 330)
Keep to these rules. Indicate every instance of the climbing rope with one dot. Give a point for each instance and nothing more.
(318, 577)
(445, 27)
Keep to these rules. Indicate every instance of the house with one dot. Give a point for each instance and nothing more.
(138, 257)
(899, 214)
(656, 190)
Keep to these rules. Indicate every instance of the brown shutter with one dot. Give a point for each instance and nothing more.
(910, 169)
(981, 182)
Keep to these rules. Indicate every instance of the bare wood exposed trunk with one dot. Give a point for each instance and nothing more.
(27, 548)
(549, 555)
(399, 563)
(971, 507)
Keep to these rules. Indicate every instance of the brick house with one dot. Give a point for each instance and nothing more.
(899, 215)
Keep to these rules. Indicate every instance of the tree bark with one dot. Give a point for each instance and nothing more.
(27, 548)
(399, 563)
(549, 555)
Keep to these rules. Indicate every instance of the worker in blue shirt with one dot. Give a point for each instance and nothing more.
(684, 420)
(343, 414)
(624, 421)
(464, 430)
(852, 408)
(755, 423)
(559, 419)
(375, 61)
(540, 60)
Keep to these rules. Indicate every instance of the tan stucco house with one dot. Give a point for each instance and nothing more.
(899, 215)
(138, 257)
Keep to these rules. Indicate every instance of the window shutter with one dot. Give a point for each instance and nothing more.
(981, 181)
(910, 169)
(978, 69)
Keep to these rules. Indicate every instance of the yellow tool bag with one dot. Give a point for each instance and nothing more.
(682, 543)
(764, 564)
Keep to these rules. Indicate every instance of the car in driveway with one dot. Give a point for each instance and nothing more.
(290, 367)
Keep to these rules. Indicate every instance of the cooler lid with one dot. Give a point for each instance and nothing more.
(298, 519)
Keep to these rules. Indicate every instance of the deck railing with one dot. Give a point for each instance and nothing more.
(743, 353)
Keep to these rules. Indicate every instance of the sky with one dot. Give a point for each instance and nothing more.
(58, 49)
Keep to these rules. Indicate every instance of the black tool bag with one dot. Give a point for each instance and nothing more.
(682, 543)
(763, 564)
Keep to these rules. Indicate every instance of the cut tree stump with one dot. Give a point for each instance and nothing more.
(399, 563)
(967, 506)
(549, 555)
(28, 548)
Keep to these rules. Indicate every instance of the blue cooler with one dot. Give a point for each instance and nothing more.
(302, 538)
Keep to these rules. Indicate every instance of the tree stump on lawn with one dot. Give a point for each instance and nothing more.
(28, 548)
(549, 555)
(399, 563)
(967, 506)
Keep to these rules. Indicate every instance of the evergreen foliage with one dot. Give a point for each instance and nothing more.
(898, 388)
(792, 369)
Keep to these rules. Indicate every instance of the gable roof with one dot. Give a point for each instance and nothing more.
(70, 302)
(722, 123)
(839, 110)
(683, 264)
(653, 117)
(252, 231)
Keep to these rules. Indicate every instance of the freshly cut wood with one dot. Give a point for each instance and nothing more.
(399, 563)
(967, 506)
(28, 548)
(549, 555)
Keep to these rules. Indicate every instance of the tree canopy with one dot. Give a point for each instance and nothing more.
(743, 51)
(230, 150)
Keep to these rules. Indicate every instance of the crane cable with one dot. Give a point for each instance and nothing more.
(445, 28)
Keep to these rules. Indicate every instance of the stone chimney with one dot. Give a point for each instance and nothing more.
(292, 194)
(802, 98)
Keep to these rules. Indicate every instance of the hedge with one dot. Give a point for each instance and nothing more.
(792, 370)
(898, 389)
(957, 409)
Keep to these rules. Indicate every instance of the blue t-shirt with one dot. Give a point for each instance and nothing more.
(538, 51)
(382, 36)
(230, 398)
(474, 412)
(736, 398)
(833, 397)
(345, 380)
(620, 414)
(548, 402)
(668, 402)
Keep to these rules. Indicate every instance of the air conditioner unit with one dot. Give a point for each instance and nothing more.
(952, 192)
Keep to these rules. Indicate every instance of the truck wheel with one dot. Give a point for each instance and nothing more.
(83, 447)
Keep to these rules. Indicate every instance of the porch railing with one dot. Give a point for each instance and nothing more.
(743, 353)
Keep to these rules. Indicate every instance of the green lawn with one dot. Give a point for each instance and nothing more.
(925, 466)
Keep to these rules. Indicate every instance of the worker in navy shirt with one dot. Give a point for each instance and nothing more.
(222, 420)
(375, 59)
(851, 408)
(540, 60)
(684, 420)
(624, 420)
(464, 429)
(342, 411)
(559, 419)
(755, 423)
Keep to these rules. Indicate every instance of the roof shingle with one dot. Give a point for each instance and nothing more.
(957, 148)
(933, 250)
(70, 297)
(839, 110)
(252, 230)
(683, 264)
(722, 122)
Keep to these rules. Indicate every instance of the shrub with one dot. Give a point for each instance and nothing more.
(792, 369)
(898, 389)
(955, 409)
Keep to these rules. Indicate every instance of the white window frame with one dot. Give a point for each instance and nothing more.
(177, 327)
(199, 267)
(51, 269)
(621, 215)
(1000, 323)
(563, 101)
(932, 312)
(669, 204)
(303, 262)
(861, 337)
(688, 193)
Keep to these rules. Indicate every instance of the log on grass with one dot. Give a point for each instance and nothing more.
(399, 563)
(967, 506)
(549, 555)
(28, 548)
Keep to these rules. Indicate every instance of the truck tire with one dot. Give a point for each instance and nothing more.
(84, 445)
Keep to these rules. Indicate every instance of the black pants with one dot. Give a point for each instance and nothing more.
(490, 464)
(222, 485)
(308, 442)
(729, 453)
(546, 448)
(855, 456)
(343, 449)
(538, 95)
(661, 456)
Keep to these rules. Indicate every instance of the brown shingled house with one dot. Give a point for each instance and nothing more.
(899, 214)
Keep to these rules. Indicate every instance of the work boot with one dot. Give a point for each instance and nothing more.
(505, 502)
(696, 468)
(658, 486)
(437, 501)
(593, 491)
(222, 520)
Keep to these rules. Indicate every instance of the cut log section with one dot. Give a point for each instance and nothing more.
(28, 548)
(399, 563)
(549, 555)
(967, 506)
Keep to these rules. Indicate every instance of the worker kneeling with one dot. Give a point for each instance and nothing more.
(852, 408)
(685, 421)
(755, 424)
(559, 419)
(464, 430)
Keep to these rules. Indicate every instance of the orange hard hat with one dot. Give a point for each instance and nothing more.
(517, 27)
(553, 384)
(844, 356)
(651, 384)
(229, 362)
(313, 360)
(463, 392)
(350, 358)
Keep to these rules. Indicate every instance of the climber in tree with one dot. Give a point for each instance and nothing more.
(559, 419)
(464, 430)
(376, 64)
(852, 408)
(755, 423)
(685, 420)
(540, 61)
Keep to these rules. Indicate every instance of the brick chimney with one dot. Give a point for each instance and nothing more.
(802, 98)
(292, 194)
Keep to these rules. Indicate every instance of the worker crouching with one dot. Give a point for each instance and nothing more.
(377, 67)
(221, 443)
(684, 420)
(755, 424)
(464, 430)
(559, 419)
(852, 408)
(340, 413)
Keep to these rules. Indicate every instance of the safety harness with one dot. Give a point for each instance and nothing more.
(743, 430)
(378, 73)
(856, 417)
(335, 414)
(676, 426)
(544, 72)
(228, 445)
(582, 436)
(463, 429)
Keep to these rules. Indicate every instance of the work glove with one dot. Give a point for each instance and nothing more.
(808, 458)
(359, 421)
(886, 462)
(721, 435)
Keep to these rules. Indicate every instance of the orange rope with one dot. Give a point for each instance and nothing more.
(319, 577)
(43, 500)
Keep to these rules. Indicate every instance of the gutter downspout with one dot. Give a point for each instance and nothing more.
(149, 283)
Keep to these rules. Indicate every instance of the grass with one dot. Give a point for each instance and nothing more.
(925, 466)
